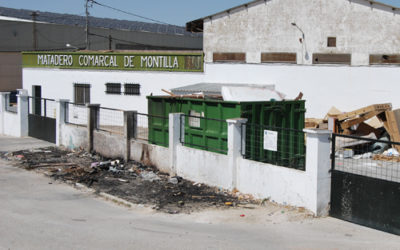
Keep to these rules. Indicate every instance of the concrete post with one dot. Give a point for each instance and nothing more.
(23, 111)
(128, 133)
(134, 124)
(61, 112)
(175, 126)
(93, 122)
(318, 168)
(3, 103)
(234, 145)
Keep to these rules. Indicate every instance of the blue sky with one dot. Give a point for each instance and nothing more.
(176, 12)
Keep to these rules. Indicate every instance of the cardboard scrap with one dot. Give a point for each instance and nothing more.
(386, 158)
(353, 122)
(312, 122)
(374, 122)
(365, 129)
(357, 120)
(393, 126)
(333, 112)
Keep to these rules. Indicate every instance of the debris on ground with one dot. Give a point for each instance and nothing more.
(131, 181)
(377, 122)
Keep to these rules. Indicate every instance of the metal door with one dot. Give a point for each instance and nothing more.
(42, 119)
(366, 182)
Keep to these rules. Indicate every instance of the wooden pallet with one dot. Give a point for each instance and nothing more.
(362, 111)
(363, 117)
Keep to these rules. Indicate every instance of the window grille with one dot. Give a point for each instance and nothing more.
(113, 88)
(132, 89)
(81, 93)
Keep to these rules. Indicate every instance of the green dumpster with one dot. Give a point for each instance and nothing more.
(209, 131)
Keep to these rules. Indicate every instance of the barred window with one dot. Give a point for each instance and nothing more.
(132, 89)
(81, 93)
(113, 88)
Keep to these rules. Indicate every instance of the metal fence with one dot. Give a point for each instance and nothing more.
(205, 133)
(152, 128)
(76, 114)
(42, 107)
(378, 159)
(111, 120)
(11, 104)
(278, 146)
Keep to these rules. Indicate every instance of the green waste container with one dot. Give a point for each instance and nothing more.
(286, 117)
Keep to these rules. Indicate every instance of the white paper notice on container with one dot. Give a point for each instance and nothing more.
(270, 140)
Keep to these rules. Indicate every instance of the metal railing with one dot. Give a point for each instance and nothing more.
(111, 120)
(378, 159)
(204, 133)
(76, 114)
(152, 128)
(278, 146)
(44, 107)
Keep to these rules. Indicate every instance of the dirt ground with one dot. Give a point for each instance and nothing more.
(131, 181)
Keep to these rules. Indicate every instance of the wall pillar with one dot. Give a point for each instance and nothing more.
(3, 103)
(93, 122)
(61, 112)
(175, 126)
(23, 111)
(128, 132)
(234, 146)
(318, 168)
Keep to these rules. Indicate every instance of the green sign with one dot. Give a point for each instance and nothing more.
(191, 62)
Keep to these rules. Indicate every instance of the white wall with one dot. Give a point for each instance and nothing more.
(280, 184)
(345, 87)
(12, 124)
(309, 188)
(73, 136)
(205, 167)
(265, 26)
(58, 83)
(151, 155)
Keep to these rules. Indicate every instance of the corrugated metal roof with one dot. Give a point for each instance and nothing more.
(108, 23)
(212, 88)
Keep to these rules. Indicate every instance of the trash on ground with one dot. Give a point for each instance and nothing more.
(131, 181)
(149, 176)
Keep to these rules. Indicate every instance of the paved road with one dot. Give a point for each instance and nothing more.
(37, 213)
(8, 143)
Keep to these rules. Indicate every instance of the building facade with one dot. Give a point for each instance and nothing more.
(351, 32)
(21, 31)
(119, 80)
(52, 31)
(270, 42)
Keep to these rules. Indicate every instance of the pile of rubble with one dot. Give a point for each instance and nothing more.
(131, 181)
(376, 122)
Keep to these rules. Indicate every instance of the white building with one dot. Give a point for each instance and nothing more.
(338, 53)
(353, 32)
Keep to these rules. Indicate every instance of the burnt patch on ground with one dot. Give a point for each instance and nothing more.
(132, 181)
